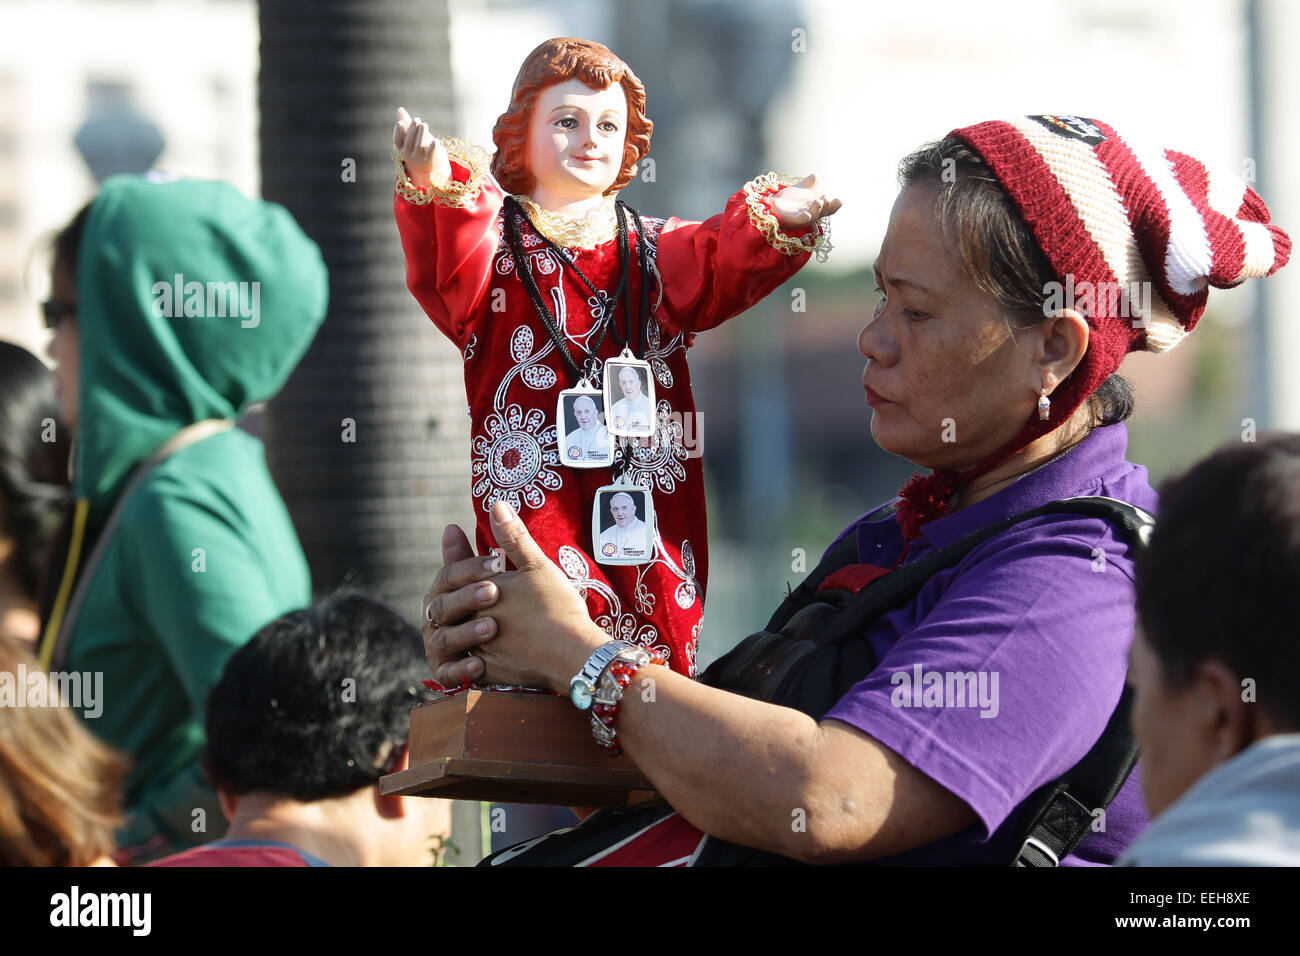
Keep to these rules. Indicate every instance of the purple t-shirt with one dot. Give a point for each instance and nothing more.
(1042, 616)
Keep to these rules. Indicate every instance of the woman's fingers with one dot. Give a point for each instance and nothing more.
(514, 539)
(459, 591)
(455, 545)
(445, 648)
(450, 607)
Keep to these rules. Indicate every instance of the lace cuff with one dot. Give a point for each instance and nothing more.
(452, 192)
(756, 191)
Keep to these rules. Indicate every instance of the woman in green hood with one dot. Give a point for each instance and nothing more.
(176, 304)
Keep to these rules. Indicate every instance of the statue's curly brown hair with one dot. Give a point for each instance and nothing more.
(555, 61)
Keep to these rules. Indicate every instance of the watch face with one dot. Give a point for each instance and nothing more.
(580, 693)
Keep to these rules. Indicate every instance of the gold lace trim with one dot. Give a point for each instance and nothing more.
(599, 225)
(448, 193)
(756, 190)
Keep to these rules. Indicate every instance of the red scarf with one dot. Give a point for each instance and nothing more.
(925, 498)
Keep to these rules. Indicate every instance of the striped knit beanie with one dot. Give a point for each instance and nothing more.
(1114, 217)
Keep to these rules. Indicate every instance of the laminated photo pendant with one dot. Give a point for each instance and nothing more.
(583, 439)
(622, 525)
(629, 396)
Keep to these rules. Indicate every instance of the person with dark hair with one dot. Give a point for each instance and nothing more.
(1216, 662)
(306, 718)
(177, 303)
(34, 446)
(60, 788)
(961, 650)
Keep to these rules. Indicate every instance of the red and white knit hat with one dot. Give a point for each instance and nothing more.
(1117, 215)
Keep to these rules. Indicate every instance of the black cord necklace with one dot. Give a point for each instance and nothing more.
(632, 342)
(644, 263)
(609, 303)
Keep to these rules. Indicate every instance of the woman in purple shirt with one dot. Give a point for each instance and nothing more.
(1022, 261)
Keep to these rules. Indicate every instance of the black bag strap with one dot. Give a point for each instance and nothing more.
(1060, 814)
(790, 674)
(842, 554)
(902, 584)
(898, 587)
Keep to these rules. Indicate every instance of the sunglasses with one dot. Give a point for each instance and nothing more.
(56, 312)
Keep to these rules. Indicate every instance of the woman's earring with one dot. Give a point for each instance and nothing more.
(1044, 406)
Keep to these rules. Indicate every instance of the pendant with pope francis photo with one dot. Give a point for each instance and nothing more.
(629, 396)
(581, 432)
(622, 524)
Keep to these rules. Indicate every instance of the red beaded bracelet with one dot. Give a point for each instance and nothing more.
(605, 715)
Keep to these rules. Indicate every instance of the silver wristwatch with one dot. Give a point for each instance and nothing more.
(582, 686)
(611, 694)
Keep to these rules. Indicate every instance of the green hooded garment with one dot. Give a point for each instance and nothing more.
(193, 302)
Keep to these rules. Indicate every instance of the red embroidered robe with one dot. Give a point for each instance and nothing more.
(460, 270)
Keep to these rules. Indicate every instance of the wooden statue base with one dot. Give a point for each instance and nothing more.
(514, 748)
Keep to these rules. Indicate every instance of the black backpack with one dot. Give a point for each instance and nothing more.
(814, 649)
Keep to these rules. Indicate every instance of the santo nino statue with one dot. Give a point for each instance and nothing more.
(530, 265)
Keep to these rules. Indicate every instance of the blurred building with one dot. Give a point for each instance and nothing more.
(123, 74)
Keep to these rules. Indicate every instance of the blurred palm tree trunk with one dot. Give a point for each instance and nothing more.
(333, 73)
(369, 440)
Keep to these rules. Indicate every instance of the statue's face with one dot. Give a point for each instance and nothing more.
(575, 141)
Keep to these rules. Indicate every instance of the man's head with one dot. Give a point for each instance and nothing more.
(623, 508)
(316, 707)
(584, 410)
(1216, 662)
(630, 382)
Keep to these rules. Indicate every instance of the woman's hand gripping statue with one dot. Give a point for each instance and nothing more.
(538, 633)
